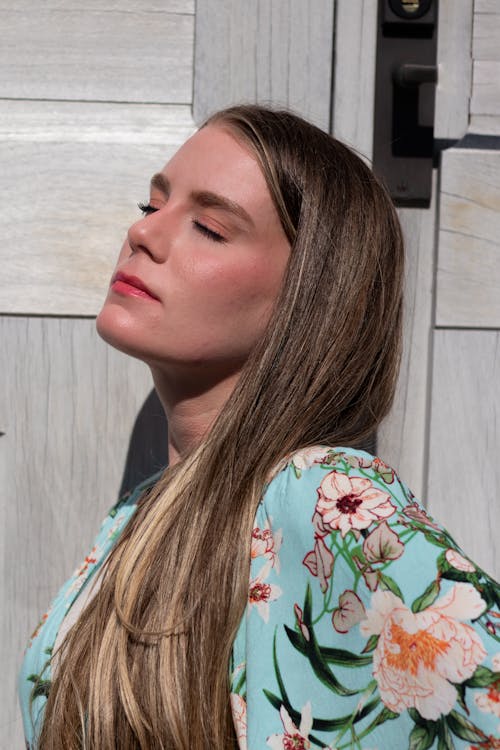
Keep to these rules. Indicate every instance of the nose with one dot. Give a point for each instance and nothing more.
(150, 235)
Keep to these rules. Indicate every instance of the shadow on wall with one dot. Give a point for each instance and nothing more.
(148, 448)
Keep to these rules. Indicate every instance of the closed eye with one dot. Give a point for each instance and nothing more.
(146, 208)
(214, 236)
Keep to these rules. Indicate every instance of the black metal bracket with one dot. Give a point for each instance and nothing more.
(406, 77)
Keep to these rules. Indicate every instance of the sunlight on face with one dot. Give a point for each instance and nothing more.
(198, 275)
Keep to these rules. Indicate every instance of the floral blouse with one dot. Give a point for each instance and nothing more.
(366, 626)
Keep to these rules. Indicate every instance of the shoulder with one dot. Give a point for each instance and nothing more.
(348, 485)
(347, 570)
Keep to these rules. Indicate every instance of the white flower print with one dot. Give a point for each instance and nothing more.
(420, 655)
(351, 503)
(266, 544)
(293, 738)
(458, 561)
(261, 593)
(239, 711)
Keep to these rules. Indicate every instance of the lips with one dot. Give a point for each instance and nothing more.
(133, 285)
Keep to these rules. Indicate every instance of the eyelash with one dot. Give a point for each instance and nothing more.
(147, 210)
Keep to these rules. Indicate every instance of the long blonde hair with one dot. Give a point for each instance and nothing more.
(146, 665)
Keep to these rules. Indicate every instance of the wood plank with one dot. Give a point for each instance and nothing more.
(120, 54)
(67, 405)
(255, 51)
(161, 6)
(464, 471)
(402, 437)
(451, 117)
(468, 275)
(81, 169)
(354, 73)
(484, 124)
(485, 6)
(485, 88)
(486, 36)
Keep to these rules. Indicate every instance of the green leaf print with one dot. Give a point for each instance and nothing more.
(427, 598)
(337, 656)
(445, 741)
(371, 644)
(390, 584)
(482, 677)
(422, 736)
(279, 678)
(324, 725)
(464, 728)
(312, 651)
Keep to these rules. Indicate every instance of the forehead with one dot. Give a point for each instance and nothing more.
(213, 159)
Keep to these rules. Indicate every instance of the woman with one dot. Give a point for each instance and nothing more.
(263, 289)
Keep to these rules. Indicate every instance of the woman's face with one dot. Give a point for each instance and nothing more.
(210, 252)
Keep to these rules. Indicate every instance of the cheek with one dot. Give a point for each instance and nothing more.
(243, 283)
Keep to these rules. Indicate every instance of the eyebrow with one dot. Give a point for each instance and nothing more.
(205, 199)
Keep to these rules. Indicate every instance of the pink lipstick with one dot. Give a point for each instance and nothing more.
(131, 286)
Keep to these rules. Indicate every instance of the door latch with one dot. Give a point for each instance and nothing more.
(405, 85)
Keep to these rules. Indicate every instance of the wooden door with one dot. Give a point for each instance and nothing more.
(443, 434)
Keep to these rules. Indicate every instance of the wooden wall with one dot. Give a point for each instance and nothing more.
(464, 430)
(443, 432)
(93, 99)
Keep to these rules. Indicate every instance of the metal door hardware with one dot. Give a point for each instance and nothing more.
(406, 76)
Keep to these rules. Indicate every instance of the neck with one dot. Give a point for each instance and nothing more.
(191, 407)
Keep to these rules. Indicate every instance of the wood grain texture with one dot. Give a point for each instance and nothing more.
(468, 274)
(464, 471)
(67, 405)
(354, 73)
(81, 168)
(486, 88)
(157, 6)
(276, 52)
(486, 36)
(402, 437)
(97, 54)
(486, 6)
(484, 124)
(451, 117)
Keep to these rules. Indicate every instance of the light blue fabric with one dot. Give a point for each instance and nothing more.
(366, 626)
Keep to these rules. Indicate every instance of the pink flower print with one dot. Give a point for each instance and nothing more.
(81, 574)
(350, 611)
(347, 503)
(266, 544)
(260, 593)
(89, 560)
(370, 575)
(416, 513)
(307, 457)
(419, 655)
(300, 622)
(384, 470)
(320, 562)
(293, 738)
(34, 634)
(458, 561)
(239, 711)
(490, 702)
(382, 544)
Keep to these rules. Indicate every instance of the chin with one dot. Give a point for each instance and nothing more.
(117, 329)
